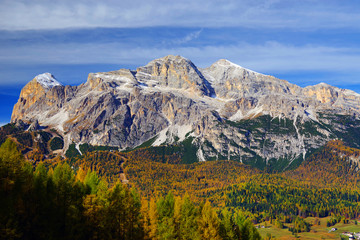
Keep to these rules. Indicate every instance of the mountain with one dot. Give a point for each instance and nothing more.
(224, 111)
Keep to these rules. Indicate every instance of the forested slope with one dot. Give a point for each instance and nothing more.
(56, 203)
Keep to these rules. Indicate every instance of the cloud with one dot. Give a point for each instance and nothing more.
(269, 57)
(43, 14)
(188, 38)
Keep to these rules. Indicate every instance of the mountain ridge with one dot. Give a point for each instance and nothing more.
(224, 108)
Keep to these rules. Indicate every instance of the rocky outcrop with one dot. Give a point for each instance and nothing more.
(174, 72)
(229, 112)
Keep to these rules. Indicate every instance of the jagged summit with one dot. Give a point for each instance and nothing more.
(172, 58)
(323, 84)
(226, 63)
(47, 80)
(170, 99)
(174, 72)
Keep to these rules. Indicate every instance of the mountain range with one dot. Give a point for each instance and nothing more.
(223, 112)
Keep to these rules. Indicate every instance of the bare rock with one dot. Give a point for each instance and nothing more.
(230, 112)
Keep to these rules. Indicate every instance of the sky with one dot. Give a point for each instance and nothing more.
(304, 42)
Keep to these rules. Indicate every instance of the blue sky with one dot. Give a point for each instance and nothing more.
(304, 42)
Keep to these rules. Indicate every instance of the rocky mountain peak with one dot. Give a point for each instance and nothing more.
(174, 72)
(226, 109)
(171, 59)
(224, 63)
(232, 81)
(47, 80)
(228, 66)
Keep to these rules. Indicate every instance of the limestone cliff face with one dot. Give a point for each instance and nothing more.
(29, 95)
(230, 112)
(42, 91)
(174, 72)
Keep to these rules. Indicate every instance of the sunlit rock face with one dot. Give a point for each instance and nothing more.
(229, 112)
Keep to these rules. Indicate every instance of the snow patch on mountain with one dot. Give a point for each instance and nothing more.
(227, 64)
(114, 77)
(47, 80)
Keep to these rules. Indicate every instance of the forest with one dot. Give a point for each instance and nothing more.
(59, 203)
(155, 193)
(326, 185)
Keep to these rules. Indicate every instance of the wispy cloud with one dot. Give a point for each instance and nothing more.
(43, 14)
(269, 36)
(266, 58)
(189, 37)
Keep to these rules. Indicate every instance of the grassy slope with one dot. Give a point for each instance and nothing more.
(316, 232)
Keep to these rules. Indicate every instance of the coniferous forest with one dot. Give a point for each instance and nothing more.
(56, 203)
(149, 193)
